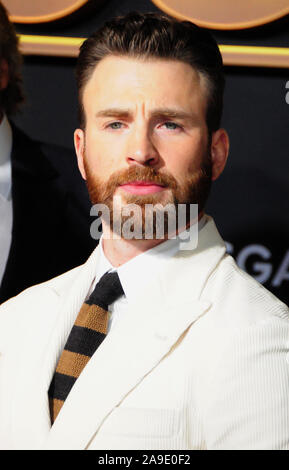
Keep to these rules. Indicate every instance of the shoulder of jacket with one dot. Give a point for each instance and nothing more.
(239, 299)
(53, 287)
(36, 304)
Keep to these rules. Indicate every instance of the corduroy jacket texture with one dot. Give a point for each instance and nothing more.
(200, 362)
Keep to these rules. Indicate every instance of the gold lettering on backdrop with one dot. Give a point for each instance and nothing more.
(40, 11)
(223, 14)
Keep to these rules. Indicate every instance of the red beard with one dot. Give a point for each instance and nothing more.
(194, 190)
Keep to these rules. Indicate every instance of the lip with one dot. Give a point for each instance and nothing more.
(142, 187)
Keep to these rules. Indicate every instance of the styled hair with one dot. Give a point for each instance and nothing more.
(154, 35)
(12, 96)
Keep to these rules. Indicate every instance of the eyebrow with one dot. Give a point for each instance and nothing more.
(170, 113)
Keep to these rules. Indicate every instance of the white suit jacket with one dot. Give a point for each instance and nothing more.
(200, 362)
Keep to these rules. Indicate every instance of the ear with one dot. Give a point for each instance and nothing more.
(79, 149)
(219, 152)
(4, 74)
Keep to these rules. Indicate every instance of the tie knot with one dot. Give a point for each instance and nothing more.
(107, 290)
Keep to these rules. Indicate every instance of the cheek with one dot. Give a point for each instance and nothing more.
(100, 152)
(184, 157)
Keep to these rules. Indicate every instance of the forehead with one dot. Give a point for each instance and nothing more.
(127, 81)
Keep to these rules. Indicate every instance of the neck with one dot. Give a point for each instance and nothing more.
(119, 251)
(1, 115)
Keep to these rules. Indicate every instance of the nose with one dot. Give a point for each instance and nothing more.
(141, 149)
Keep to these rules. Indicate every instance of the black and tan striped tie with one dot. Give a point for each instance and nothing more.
(88, 332)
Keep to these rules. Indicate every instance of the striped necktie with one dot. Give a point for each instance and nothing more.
(88, 332)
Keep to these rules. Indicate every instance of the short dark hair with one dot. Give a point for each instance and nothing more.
(12, 96)
(154, 35)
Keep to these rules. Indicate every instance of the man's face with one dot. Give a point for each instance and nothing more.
(145, 123)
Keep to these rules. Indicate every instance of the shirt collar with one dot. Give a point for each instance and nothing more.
(5, 157)
(145, 265)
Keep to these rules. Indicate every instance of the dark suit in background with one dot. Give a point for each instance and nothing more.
(51, 218)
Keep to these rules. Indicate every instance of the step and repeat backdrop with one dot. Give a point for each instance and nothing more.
(250, 200)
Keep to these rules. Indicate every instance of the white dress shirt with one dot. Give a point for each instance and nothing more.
(6, 216)
(149, 264)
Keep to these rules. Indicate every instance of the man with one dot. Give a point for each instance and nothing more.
(154, 343)
(44, 208)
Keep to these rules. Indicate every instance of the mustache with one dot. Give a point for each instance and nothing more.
(104, 191)
(137, 173)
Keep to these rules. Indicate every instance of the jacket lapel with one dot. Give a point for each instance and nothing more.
(30, 420)
(60, 308)
(136, 344)
(131, 350)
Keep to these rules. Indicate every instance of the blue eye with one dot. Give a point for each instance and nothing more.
(115, 125)
(172, 125)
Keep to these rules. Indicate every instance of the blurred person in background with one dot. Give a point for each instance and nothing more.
(44, 207)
